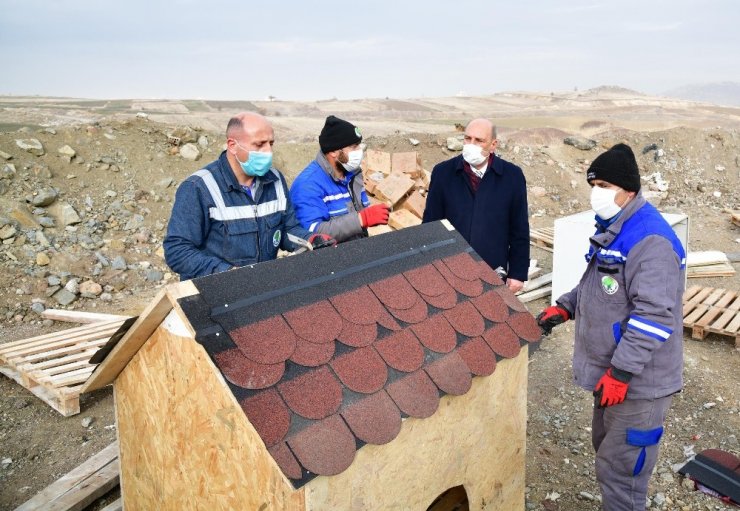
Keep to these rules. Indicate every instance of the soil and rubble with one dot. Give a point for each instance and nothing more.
(84, 208)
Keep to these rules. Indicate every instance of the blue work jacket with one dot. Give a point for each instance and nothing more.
(216, 225)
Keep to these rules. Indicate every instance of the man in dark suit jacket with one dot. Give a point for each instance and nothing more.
(485, 199)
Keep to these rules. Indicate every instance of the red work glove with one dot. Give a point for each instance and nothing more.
(552, 317)
(611, 389)
(321, 240)
(376, 214)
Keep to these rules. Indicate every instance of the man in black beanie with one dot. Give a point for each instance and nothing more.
(629, 328)
(329, 194)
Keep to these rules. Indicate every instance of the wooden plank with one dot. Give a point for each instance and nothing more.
(132, 340)
(80, 316)
(542, 237)
(64, 349)
(76, 379)
(79, 333)
(705, 258)
(690, 292)
(735, 306)
(698, 297)
(710, 271)
(55, 379)
(534, 295)
(707, 318)
(725, 299)
(57, 362)
(533, 284)
(734, 326)
(724, 319)
(714, 296)
(75, 490)
(52, 371)
(695, 315)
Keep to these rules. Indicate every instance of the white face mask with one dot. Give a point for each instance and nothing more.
(354, 159)
(473, 154)
(602, 202)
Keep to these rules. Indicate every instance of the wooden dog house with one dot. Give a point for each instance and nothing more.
(374, 375)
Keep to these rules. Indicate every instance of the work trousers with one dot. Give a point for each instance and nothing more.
(626, 438)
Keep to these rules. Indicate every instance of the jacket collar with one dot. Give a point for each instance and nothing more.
(605, 238)
(326, 167)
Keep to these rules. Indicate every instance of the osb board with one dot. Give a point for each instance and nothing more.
(185, 442)
(476, 440)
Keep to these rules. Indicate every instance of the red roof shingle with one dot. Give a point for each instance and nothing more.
(324, 377)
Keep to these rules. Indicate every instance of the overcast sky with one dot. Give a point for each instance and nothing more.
(321, 49)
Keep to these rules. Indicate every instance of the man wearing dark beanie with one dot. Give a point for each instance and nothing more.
(329, 194)
(629, 328)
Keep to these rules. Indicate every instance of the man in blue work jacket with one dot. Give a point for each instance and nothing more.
(236, 210)
(485, 199)
(329, 195)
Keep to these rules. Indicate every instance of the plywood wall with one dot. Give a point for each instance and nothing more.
(185, 443)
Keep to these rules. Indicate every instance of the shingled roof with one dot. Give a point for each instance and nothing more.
(332, 349)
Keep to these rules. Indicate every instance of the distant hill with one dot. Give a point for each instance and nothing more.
(720, 93)
(611, 89)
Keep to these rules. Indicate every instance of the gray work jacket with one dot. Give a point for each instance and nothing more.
(628, 304)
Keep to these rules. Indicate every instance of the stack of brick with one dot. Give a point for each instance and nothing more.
(397, 179)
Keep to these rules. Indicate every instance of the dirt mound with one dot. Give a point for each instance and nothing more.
(537, 136)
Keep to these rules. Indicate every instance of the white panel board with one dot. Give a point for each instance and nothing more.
(571, 245)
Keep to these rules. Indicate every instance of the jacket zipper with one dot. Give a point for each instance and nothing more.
(254, 208)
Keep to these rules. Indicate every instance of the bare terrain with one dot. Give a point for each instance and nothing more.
(120, 183)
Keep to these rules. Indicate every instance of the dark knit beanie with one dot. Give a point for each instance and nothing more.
(618, 167)
(338, 133)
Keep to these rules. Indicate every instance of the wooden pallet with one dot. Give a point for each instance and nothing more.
(542, 238)
(55, 366)
(82, 486)
(709, 310)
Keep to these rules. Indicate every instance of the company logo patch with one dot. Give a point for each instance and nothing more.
(276, 239)
(609, 285)
(357, 132)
